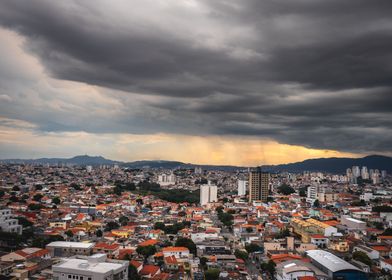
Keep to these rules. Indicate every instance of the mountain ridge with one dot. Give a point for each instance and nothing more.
(330, 165)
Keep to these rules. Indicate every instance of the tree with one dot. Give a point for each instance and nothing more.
(316, 203)
(203, 262)
(99, 233)
(159, 225)
(2, 193)
(37, 197)
(226, 218)
(35, 206)
(252, 247)
(219, 209)
(24, 222)
(132, 273)
(188, 243)
(13, 198)
(146, 251)
(270, 267)
(111, 225)
(117, 190)
(212, 274)
(285, 189)
(56, 200)
(283, 233)
(302, 192)
(362, 257)
(69, 233)
(240, 254)
(123, 220)
(387, 232)
(75, 186)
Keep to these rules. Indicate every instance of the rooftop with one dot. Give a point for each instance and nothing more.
(67, 244)
(330, 261)
(90, 265)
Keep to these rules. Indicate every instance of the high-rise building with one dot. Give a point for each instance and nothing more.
(208, 194)
(258, 185)
(167, 180)
(198, 170)
(356, 171)
(242, 187)
(364, 173)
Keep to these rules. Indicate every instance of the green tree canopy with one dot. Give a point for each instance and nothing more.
(212, 274)
(241, 254)
(188, 243)
(285, 189)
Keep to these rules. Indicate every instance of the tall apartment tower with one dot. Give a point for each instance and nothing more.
(258, 185)
(208, 194)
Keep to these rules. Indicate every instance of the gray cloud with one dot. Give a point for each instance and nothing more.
(312, 73)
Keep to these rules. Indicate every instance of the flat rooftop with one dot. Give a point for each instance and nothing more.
(330, 261)
(66, 244)
(84, 265)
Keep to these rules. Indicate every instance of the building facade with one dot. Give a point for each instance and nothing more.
(258, 185)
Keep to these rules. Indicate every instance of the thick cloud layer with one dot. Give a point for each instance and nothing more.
(311, 73)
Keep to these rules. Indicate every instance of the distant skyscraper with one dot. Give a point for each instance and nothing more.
(258, 185)
(166, 180)
(198, 170)
(242, 187)
(364, 173)
(208, 194)
(356, 171)
(383, 174)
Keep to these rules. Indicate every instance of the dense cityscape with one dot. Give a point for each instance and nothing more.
(112, 222)
(196, 140)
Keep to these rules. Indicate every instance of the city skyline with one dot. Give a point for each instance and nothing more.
(207, 82)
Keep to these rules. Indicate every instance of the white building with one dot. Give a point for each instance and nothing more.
(290, 270)
(356, 171)
(198, 170)
(95, 267)
(8, 223)
(67, 248)
(242, 187)
(313, 190)
(166, 180)
(208, 194)
(364, 173)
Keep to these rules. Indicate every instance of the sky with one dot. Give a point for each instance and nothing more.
(212, 82)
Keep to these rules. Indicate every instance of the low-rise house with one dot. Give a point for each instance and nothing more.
(26, 255)
(111, 250)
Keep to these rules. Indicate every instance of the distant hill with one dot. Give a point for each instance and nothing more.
(77, 160)
(331, 165)
(334, 165)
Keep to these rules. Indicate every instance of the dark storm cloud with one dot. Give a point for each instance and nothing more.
(312, 73)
